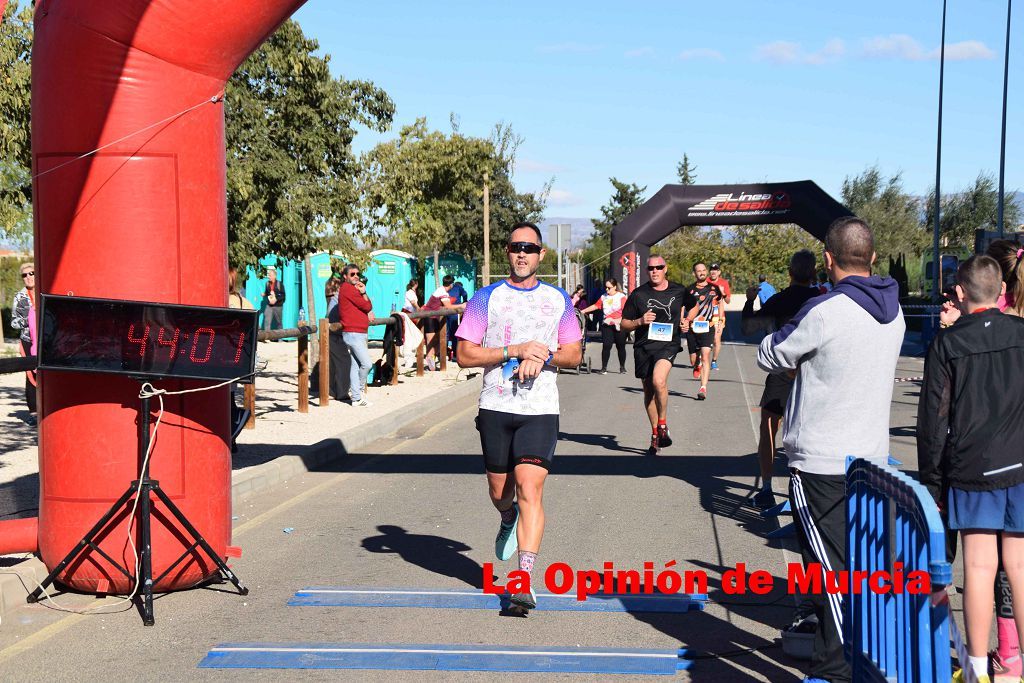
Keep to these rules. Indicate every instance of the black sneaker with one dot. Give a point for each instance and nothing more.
(622, 370)
(764, 499)
(653, 450)
(664, 439)
(527, 601)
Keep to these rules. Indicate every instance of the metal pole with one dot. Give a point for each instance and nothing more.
(558, 243)
(936, 260)
(1002, 142)
(487, 231)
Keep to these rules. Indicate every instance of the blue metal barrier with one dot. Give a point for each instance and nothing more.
(894, 637)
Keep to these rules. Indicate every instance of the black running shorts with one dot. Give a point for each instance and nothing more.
(510, 439)
(646, 356)
(704, 340)
(776, 393)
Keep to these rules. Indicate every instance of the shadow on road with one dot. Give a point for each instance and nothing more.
(733, 646)
(436, 554)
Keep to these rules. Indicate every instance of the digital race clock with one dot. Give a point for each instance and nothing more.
(142, 339)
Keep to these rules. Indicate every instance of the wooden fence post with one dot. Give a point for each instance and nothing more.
(419, 357)
(250, 404)
(442, 343)
(325, 359)
(393, 353)
(303, 373)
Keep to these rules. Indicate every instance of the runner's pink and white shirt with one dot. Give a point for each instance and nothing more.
(501, 315)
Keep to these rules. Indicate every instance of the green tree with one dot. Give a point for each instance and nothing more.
(15, 124)
(626, 198)
(423, 191)
(965, 211)
(508, 205)
(291, 171)
(892, 214)
(686, 171)
(690, 244)
(765, 249)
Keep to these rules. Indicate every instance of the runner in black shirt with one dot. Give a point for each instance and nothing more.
(653, 313)
(703, 300)
(776, 312)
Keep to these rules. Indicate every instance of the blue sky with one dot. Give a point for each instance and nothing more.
(752, 91)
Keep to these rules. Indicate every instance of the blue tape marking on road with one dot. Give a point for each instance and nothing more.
(511, 658)
(782, 531)
(330, 596)
(779, 509)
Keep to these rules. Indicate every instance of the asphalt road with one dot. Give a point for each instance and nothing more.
(411, 510)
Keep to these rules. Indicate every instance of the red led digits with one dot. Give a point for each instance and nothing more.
(140, 341)
(173, 343)
(209, 345)
(238, 351)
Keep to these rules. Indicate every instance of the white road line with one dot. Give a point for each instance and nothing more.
(567, 596)
(398, 650)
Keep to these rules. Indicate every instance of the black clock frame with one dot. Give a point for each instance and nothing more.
(74, 355)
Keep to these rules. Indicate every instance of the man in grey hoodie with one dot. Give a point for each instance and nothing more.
(839, 406)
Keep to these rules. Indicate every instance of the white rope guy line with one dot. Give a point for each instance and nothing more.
(212, 100)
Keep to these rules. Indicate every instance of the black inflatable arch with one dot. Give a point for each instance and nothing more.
(801, 202)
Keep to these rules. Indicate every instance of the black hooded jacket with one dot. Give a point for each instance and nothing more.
(970, 419)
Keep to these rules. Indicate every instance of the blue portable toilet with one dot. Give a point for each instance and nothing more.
(450, 263)
(290, 275)
(387, 276)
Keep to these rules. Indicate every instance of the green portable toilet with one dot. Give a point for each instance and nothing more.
(290, 275)
(387, 276)
(450, 263)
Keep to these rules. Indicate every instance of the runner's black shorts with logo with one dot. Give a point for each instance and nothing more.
(647, 355)
(697, 341)
(510, 439)
(777, 387)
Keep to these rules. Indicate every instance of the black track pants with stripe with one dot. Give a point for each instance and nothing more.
(819, 511)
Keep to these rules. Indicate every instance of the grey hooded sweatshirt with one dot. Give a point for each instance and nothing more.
(844, 346)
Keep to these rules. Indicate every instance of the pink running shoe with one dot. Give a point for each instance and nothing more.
(1005, 672)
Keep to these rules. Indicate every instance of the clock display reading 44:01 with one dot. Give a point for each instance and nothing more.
(202, 342)
(146, 339)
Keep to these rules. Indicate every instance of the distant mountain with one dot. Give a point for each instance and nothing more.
(579, 232)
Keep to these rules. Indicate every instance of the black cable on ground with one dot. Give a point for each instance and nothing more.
(731, 653)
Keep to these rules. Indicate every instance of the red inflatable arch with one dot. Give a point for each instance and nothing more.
(143, 218)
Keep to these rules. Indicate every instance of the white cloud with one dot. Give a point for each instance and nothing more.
(964, 51)
(701, 53)
(646, 51)
(902, 46)
(779, 52)
(532, 166)
(569, 47)
(833, 50)
(785, 52)
(563, 198)
(895, 46)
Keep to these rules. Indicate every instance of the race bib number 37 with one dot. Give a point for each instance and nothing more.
(660, 332)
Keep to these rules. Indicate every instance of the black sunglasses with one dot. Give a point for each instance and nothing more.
(661, 267)
(25, 275)
(523, 247)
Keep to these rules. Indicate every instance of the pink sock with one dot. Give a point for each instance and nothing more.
(1009, 645)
